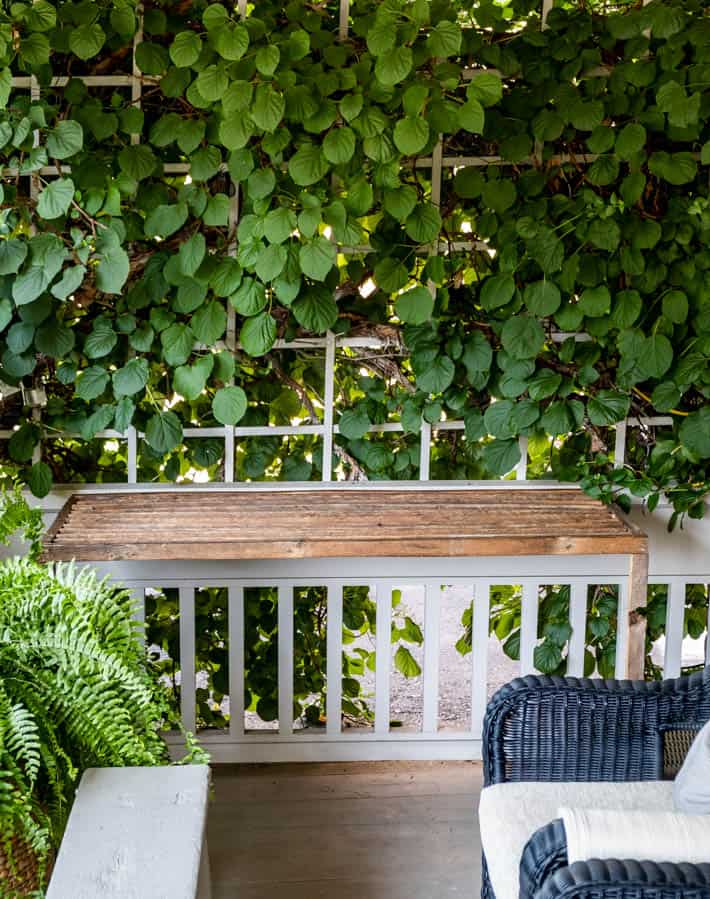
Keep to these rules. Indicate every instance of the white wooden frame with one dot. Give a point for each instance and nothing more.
(382, 575)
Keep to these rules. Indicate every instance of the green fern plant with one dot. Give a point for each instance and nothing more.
(77, 690)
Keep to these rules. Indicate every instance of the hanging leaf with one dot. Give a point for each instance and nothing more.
(55, 199)
(163, 432)
(229, 405)
(317, 257)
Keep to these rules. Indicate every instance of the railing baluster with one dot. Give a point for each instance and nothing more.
(383, 652)
(528, 627)
(187, 657)
(578, 623)
(675, 614)
(235, 623)
(285, 619)
(479, 652)
(622, 632)
(432, 620)
(334, 653)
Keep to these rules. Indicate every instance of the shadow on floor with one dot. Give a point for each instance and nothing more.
(377, 830)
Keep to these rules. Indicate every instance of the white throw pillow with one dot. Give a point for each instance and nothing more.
(691, 788)
(641, 835)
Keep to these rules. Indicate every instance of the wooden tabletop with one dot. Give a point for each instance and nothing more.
(293, 524)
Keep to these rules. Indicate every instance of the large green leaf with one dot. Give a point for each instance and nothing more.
(177, 341)
(542, 298)
(415, 306)
(258, 334)
(229, 405)
(190, 380)
(607, 407)
(66, 139)
(497, 291)
(354, 423)
(13, 253)
(163, 432)
(185, 48)
(656, 355)
(695, 432)
(501, 456)
(317, 257)
(131, 378)
(438, 376)
(86, 40)
(307, 165)
(91, 383)
(411, 135)
(316, 310)
(209, 323)
(339, 145)
(523, 337)
(56, 198)
(394, 67)
(424, 223)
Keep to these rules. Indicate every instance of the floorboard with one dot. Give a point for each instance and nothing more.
(391, 830)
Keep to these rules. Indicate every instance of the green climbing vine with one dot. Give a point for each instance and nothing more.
(117, 270)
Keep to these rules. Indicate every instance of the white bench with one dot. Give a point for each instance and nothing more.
(136, 833)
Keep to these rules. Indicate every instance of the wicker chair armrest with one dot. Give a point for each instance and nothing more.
(614, 879)
(550, 728)
(544, 853)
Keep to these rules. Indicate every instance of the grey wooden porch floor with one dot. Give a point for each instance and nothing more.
(375, 830)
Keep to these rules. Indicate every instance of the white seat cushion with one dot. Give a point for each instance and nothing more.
(610, 833)
(510, 813)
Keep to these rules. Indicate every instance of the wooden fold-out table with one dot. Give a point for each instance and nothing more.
(362, 529)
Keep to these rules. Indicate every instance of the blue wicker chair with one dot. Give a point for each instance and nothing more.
(569, 729)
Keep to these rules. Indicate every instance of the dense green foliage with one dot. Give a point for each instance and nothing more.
(555, 631)
(75, 690)
(116, 282)
(261, 651)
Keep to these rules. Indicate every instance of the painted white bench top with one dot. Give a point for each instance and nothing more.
(135, 833)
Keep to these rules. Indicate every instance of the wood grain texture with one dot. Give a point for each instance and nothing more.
(396, 830)
(332, 523)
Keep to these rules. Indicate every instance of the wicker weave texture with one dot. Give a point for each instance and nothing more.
(570, 729)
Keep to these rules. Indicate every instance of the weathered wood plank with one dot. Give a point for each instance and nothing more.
(306, 831)
(331, 523)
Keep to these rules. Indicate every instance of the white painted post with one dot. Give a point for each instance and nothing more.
(136, 82)
(479, 652)
(521, 469)
(622, 632)
(187, 658)
(344, 17)
(285, 654)
(528, 627)
(328, 399)
(424, 450)
(620, 444)
(229, 455)
(132, 455)
(675, 615)
(432, 620)
(578, 623)
(235, 624)
(334, 653)
(383, 652)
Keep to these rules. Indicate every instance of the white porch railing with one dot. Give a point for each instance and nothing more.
(431, 740)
